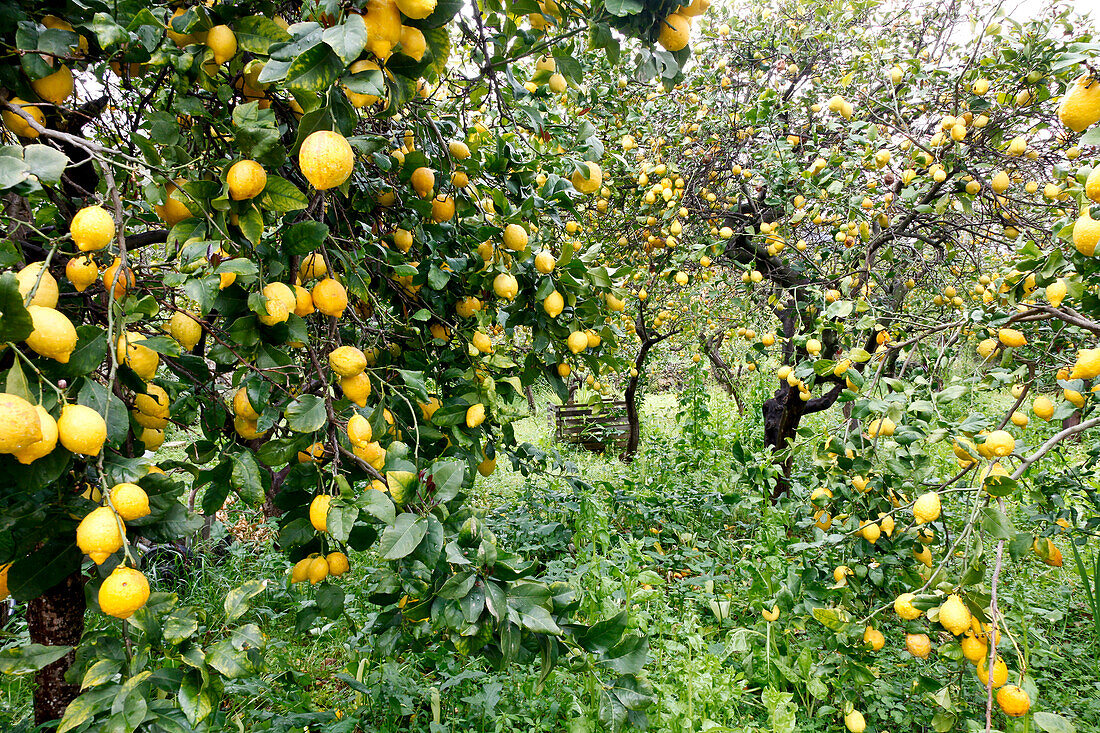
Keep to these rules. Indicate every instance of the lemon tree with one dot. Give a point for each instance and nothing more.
(299, 242)
(857, 219)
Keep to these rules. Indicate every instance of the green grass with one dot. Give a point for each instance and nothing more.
(692, 517)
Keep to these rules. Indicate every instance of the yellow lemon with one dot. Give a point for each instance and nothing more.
(82, 272)
(45, 445)
(54, 335)
(81, 430)
(318, 512)
(92, 228)
(330, 297)
(35, 277)
(98, 535)
(326, 159)
(347, 361)
(246, 179)
(141, 359)
(130, 501)
(123, 592)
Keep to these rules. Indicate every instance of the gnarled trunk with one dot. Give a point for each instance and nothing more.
(56, 618)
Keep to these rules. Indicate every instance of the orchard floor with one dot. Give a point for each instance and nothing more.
(682, 538)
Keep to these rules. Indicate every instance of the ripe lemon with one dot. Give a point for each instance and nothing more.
(954, 615)
(515, 238)
(505, 286)
(884, 427)
(123, 592)
(92, 228)
(403, 238)
(927, 508)
(416, 9)
(359, 430)
(383, 21)
(223, 42)
(247, 429)
(1087, 365)
(873, 637)
(361, 100)
(130, 501)
(242, 407)
(974, 649)
(918, 645)
(347, 361)
(20, 424)
(577, 342)
(459, 150)
(174, 210)
(143, 360)
(356, 388)
(185, 329)
(35, 277)
(1013, 701)
(152, 407)
(423, 181)
(1080, 108)
(903, 607)
(81, 430)
(545, 262)
(118, 279)
(246, 179)
(54, 335)
(300, 571)
(45, 445)
(318, 570)
(337, 563)
(443, 209)
(330, 297)
(854, 722)
(986, 348)
(98, 535)
(592, 183)
(675, 30)
(1011, 337)
(413, 44)
(1000, 671)
(870, 531)
(318, 512)
(475, 415)
(373, 453)
(326, 159)
(481, 342)
(1000, 443)
(82, 272)
(151, 438)
(312, 454)
(313, 267)
(20, 126)
(924, 556)
(554, 304)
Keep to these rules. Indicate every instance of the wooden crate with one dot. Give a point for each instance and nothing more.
(595, 428)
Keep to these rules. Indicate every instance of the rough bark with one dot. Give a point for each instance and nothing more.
(56, 618)
(649, 340)
(719, 369)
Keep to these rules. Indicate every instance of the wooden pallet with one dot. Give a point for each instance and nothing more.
(594, 428)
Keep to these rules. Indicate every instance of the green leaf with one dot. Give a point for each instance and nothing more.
(834, 619)
(402, 537)
(107, 31)
(314, 70)
(256, 34)
(1053, 723)
(99, 398)
(45, 567)
(622, 8)
(236, 600)
(341, 519)
(30, 658)
(15, 320)
(306, 414)
(448, 477)
(180, 624)
(227, 660)
(996, 524)
(304, 237)
(245, 478)
(251, 224)
(281, 195)
(194, 697)
(330, 600)
(347, 39)
(47, 163)
(102, 671)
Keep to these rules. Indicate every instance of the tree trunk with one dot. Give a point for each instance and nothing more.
(782, 414)
(56, 618)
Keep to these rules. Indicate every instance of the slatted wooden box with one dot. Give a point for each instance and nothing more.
(594, 427)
